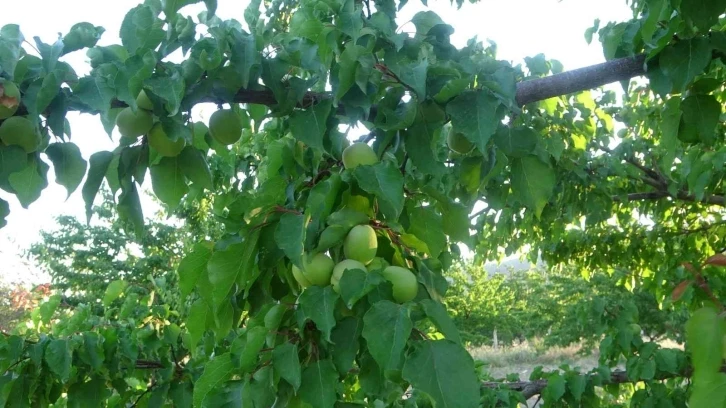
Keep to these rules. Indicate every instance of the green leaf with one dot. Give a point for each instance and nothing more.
(705, 332)
(533, 182)
(318, 304)
(346, 340)
(577, 385)
(4, 212)
(246, 349)
(456, 223)
(286, 362)
(386, 328)
(309, 126)
(667, 360)
(703, 13)
(290, 236)
(49, 53)
(167, 180)
(41, 93)
(355, 284)
(113, 291)
(440, 317)
(701, 114)
(445, 371)
(421, 139)
(555, 388)
(385, 181)
(81, 35)
(48, 308)
(11, 40)
(319, 381)
(670, 123)
(98, 167)
(195, 167)
(684, 60)
(348, 218)
(236, 263)
(192, 266)
(413, 75)
(322, 198)
(91, 393)
(427, 226)
(69, 165)
(424, 21)
(331, 236)
(94, 93)
(393, 112)
(244, 56)
(516, 142)
(349, 63)
(196, 323)
(141, 30)
(216, 372)
(30, 182)
(170, 89)
(58, 357)
(129, 208)
(476, 115)
(13, 159)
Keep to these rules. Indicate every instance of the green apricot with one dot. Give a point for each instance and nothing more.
(358, 154)
(225, 126)
(459, 143)
(361, 244)
(341, 267)
(134, 124)
(316, 270)
(20, 131)
(405, 285)
(160, 142)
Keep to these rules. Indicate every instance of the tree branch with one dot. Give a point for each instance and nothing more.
(529, 91)
(531, 388)
(681, 196)
(577, 80)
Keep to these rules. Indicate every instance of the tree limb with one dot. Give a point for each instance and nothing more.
(577, 80)
(681, 196)
(531, 388)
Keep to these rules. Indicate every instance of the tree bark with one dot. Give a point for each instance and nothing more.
(578, 80)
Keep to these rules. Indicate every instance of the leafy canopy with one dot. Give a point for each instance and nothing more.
(551, 175)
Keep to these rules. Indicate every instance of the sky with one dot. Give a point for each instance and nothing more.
(521, 28)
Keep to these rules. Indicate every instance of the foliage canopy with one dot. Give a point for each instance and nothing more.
(552, 175)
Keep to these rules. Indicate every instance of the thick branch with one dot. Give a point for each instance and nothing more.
(577, 80)
(682, 196)
(530, 389)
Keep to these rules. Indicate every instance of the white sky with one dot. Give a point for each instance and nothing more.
(520, 28)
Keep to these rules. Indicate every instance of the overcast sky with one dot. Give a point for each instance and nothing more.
(520, 28)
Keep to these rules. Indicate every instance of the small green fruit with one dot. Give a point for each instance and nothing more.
(316, 270)
(9, 99)
(144, 102)
(160, 142)
(134, 124)
(459, 143)
(225, 126)
(341, 267)
(359, 154)
(20, 131)
(405, 286)
(361, 244)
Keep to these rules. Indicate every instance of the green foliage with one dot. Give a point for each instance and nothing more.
(637, 209)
